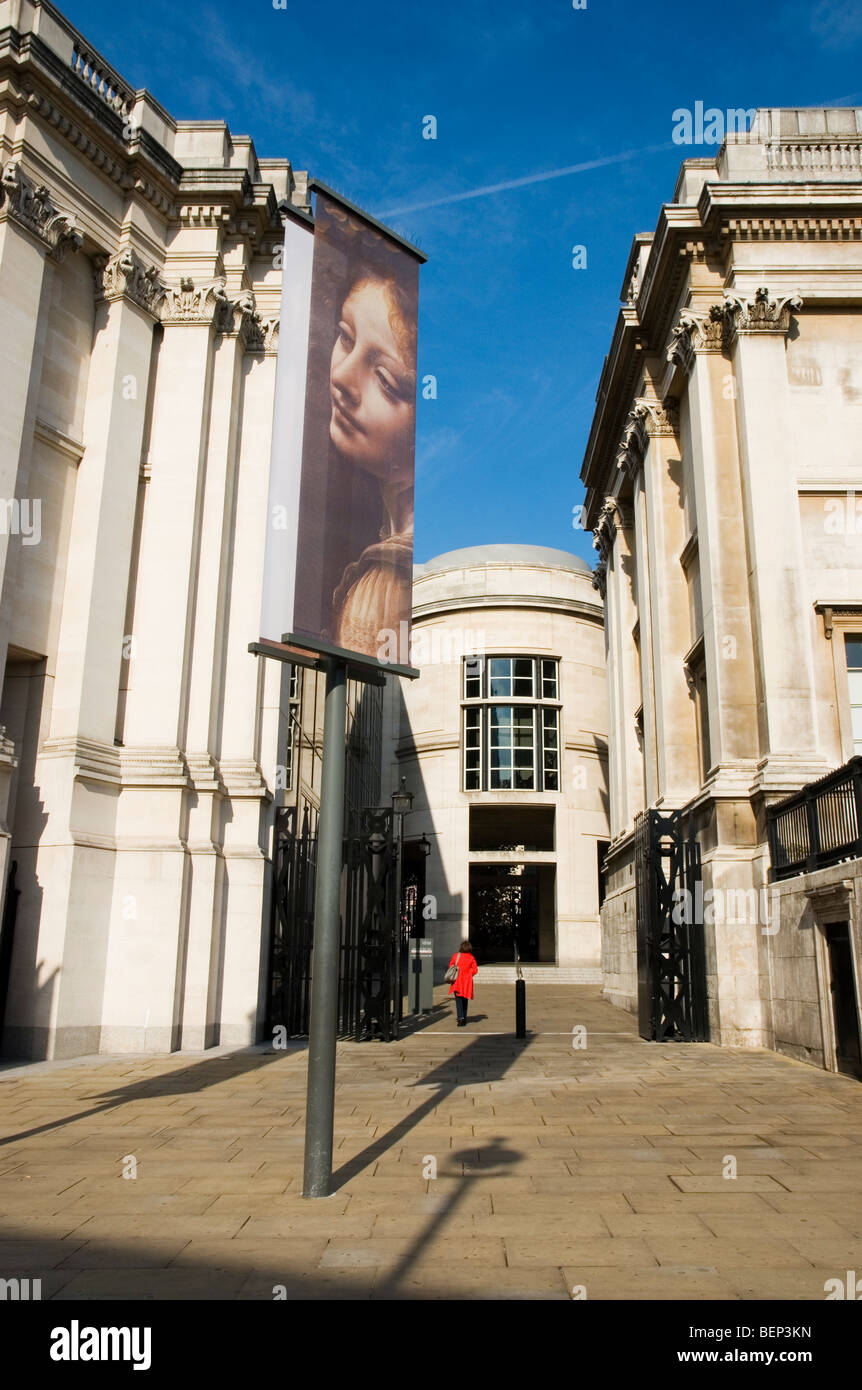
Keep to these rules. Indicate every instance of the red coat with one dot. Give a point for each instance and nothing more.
(467, 968)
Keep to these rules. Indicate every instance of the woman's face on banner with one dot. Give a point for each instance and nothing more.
(372, 386)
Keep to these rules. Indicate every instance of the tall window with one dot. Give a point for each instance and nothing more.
(511, 724)
(853, 651)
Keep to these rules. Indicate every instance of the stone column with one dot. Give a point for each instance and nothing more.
(781, 606)
(146, 991)
(697, 346)
(675, 736)
(33, 235)
(91, 640)
(630, 457)
(77, 766)
(212, 833)
(255, 707)
(614, 579)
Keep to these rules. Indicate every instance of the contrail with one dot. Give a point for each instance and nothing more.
(529, 178)
(561, 173)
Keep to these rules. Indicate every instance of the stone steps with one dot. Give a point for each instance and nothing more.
(540, 974)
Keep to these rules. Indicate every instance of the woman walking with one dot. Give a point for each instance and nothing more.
(464, 963)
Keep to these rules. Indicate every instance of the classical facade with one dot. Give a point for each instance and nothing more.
(722, 473)
(143, 750)
(503, 744)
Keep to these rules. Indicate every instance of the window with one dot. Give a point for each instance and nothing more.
(511, 725)
(695, 671)
(853, 652)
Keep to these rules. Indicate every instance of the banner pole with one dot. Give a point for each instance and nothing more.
(320, 1103)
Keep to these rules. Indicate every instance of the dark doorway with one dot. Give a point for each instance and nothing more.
(504, 911)
(845, 1013)
(412, 891)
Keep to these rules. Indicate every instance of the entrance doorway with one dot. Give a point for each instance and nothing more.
(845, 1010)
(512, 905)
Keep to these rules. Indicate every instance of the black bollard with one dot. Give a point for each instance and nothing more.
(520, 1008)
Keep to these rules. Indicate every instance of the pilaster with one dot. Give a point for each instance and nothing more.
(783, 621)
(698, 345)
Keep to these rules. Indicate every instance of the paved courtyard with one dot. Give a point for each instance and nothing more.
(600, 1168)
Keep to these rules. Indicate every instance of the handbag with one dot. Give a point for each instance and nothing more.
(452, 973)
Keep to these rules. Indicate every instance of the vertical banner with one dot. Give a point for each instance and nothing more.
(339, 556)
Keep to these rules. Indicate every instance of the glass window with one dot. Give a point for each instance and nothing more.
(499, 677)
(473, 749)
(550, 750)
(511, 746)
(472, 678)
(523, 678)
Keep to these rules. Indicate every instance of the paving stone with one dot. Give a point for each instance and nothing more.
(600, 1166)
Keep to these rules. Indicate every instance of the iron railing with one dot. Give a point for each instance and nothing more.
(671, 952)
(819, 825)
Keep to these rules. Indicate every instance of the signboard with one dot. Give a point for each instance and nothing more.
(339, 555)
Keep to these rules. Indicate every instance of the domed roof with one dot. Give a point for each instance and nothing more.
(475, 556)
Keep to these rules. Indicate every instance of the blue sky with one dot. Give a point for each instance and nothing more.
(514, 335)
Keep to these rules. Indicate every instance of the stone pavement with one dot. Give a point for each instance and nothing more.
(599, 1167)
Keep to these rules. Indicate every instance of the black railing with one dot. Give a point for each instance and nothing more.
(818, 826)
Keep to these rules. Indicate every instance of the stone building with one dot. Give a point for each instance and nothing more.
(722, 473)
(143, 748)
(502, 742)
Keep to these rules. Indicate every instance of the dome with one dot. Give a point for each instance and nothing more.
(475, 556)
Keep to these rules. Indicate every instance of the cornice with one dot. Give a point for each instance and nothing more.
(579, 608)
(90, 106)
(793, 211)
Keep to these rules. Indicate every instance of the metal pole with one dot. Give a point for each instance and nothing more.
(320, 1103)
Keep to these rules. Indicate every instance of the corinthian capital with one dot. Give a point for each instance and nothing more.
(29, 204)
(125, 276)
(762, 314)
(188, 303)
(660, 418)
(613, 517)
(709, 331)
(633, 444)
(241, 315)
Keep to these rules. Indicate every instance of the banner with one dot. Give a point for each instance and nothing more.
(339, 554)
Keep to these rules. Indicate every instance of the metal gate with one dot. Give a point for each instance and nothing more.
(369, 981)
(670, 946)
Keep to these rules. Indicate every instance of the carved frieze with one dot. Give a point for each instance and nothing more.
(126, 276)
(29, 204)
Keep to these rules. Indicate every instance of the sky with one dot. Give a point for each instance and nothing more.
(513, 333)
